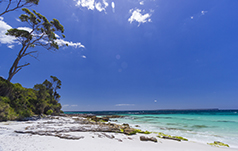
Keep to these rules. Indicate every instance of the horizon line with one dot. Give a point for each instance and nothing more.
(201, 109)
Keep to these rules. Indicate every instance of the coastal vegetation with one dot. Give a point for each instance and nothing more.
(165, 136)
(40, 32)
(218, 144)
(17, 102)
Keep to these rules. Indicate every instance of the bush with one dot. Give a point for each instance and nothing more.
(17, 102)
(5, 87)
(49, 112)
(6, 112)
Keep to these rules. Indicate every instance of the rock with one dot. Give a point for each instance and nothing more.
(137, 126)
(97, 119)
(67, 136)
(166, 137)
(32, 118)
(218, 144)
(153, 139)
(129, 131)
(115, 116)
(126, 125)
(108, 136)
(143, 138)
(105, 119)
(118, 139)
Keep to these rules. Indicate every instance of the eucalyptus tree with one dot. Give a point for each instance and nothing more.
(40, 33)
(52, 86)
(12, 5)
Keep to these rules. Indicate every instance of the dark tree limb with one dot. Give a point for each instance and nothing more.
(20, 4)
(42, 34)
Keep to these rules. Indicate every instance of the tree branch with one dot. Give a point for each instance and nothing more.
(27, 64)
(10, 1)
(29, 53)
(19, 5)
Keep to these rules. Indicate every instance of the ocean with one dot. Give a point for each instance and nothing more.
(205, 126)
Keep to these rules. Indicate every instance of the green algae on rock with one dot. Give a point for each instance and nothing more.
(179, 138)
(218, 144)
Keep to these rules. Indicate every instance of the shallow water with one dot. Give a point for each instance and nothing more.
(200, 126)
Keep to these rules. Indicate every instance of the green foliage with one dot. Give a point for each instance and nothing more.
(160, 135)
(6, 112)
(19, 33)
(33, 1)
(17, 102)
(49, 112)
(146, 132)
(57, 25)
(5, 87)
(140, 131)
(181, 138)
(218, 144)
(132, 133)
(42, 33)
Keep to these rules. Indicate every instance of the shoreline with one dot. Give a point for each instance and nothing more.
(78, 133)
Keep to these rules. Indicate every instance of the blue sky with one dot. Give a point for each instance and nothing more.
(135, 54)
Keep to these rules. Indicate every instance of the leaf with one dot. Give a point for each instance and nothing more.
(19, 33)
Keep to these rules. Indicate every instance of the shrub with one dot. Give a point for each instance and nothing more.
(49, 112)
(17, 102)
(6, 112)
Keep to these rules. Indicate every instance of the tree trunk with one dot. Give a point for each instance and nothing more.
(13, 69)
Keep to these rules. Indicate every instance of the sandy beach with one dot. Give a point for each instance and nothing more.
(69, 133)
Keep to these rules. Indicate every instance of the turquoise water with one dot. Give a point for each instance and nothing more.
(200, 126)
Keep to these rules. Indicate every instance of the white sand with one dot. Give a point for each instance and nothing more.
(92, 141)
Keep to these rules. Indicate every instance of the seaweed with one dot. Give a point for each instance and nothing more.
(162, 135)
(218, 144)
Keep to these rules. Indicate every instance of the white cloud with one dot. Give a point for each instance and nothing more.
(65, 105)
(99, 6)
(70, 43)
(203, 12)
(91, 4)
(88, 3)
(83, 56)
(142, 3)
(68, 107)
(25, 28)
(113, 7)
(4, 39)
(198, 15)
(17, 19)
(74, 105)
(10, 46)
(137, 16)
(75, 17)
(105, 3)
(125, 105)
(10, 40)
